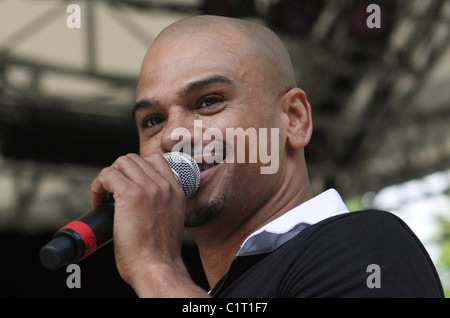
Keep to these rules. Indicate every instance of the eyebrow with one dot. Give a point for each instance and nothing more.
(199, 84)
(144, 103)
(185, 91)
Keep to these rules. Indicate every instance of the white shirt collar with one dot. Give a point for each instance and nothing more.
(279, 231)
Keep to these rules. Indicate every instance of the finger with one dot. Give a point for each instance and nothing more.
(147, 174)
(156, 168)
(129, 167)
(160, 164)
(153, 174)
(108, 182)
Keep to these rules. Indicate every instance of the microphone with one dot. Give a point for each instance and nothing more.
(78, 239)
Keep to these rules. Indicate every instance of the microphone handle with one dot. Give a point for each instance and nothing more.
(79, 239)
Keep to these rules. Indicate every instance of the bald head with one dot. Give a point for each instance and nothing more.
(256, 43)
(229, 75)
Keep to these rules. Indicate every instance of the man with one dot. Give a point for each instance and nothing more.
(259, 235)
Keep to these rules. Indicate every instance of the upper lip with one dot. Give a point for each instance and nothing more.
(206, 162)
(205, 166)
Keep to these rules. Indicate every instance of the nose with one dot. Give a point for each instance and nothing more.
(178, 132)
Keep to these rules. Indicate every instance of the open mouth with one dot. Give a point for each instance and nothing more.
(207, 170)
(205, 166)
(207, 161)
(209, 165)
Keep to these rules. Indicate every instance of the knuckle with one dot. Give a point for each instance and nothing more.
(102, 174)
(131, 155)
(165, 186)
(120, 161)
(104, 171)
(157, 191)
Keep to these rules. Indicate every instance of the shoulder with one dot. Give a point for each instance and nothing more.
(358, 228)
(366, 226)
(337, 253)
(374, 217)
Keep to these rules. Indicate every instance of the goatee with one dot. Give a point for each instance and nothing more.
(204, 214)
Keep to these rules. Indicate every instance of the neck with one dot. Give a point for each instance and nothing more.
(219, 241)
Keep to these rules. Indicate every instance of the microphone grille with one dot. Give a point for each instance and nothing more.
(186, 171)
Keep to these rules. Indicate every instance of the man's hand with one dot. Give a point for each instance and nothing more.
(148, 225)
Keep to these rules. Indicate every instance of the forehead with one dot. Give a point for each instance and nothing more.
(174, 61)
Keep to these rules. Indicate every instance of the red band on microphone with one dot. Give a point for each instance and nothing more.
(86, 234)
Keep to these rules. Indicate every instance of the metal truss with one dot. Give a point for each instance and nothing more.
(362, 92)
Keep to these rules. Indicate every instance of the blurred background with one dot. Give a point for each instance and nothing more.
(380, 99)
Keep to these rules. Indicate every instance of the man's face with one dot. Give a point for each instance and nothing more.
(207, 78)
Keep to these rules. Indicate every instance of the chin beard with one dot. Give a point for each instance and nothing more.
(204, 214)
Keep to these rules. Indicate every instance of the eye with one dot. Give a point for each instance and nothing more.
(152, 120)
(210, 101)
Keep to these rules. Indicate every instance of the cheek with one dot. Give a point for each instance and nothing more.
(244, 115)
(149, 146)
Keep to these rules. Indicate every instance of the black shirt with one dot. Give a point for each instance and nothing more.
(358, 254)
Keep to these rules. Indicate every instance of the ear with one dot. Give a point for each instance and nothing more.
(297, 111)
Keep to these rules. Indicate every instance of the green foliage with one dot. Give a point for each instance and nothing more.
(444, 241)
(354, 204)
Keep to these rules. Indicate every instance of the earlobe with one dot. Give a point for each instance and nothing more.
(298, 112)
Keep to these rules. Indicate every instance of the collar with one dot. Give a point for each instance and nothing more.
(279, 231)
